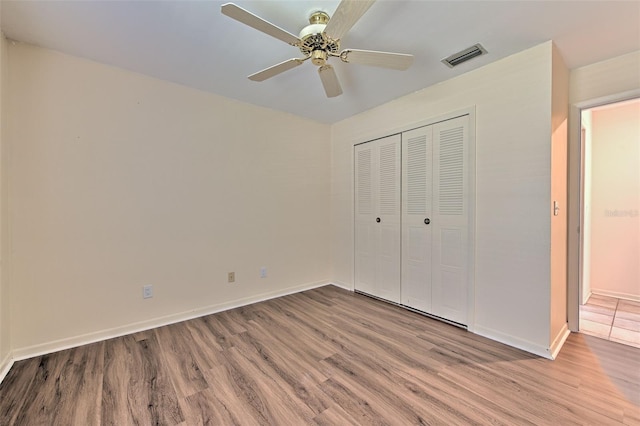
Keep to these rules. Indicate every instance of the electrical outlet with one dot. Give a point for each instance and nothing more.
(147, 292)
(263, 272)
(232, 277)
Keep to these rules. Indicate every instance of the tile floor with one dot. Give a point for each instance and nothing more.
(613, 319)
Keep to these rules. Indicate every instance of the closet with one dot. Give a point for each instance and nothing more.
(412, 218)
(377, 218)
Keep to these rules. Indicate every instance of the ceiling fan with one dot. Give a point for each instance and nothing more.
(319, 41)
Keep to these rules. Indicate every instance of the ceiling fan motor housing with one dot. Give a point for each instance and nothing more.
(314, 42)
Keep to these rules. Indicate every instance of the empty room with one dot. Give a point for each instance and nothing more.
(312, 212)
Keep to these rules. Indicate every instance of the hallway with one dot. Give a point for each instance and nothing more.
(613, 319)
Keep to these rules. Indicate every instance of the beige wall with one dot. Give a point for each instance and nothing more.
(119, 180)
(559, 154)
(5, 347)
(615, 197)
(607, 81)
(512, 99)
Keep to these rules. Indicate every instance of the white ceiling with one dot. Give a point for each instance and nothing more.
(192, 43)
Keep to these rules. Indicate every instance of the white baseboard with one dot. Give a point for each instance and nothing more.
(559, 341)
(97, 336)
(5, 366)
(513, 341)
(71, 342)
(342, 285)
(626, 296)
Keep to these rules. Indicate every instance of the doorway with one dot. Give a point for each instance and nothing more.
(609, 289)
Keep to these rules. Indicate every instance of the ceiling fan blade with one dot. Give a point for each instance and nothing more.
(248, 18)
(396, 61)
(330, 81)
(276, 69)
(345, 17)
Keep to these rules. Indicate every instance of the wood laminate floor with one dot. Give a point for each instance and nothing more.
(327, 357)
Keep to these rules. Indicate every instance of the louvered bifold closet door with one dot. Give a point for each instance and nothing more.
(417, 214)
(451, 220)
(388, 227)
(377, 218)
(365, 215)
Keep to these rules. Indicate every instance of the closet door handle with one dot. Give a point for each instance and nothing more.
(427, 221)
(378, 219)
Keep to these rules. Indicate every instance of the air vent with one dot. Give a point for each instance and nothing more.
(464, 55)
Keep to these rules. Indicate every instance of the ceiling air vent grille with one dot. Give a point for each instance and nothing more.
(464, 55)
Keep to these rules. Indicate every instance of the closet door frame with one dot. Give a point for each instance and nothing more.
(471, 248)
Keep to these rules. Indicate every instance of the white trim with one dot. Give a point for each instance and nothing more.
(71, 342)
(470, 111)
(515, 342)
(574, 218)
(471, 233)
(344, 286)
(558, 342)
(618, 295)
(608, 99)
(5, 366)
